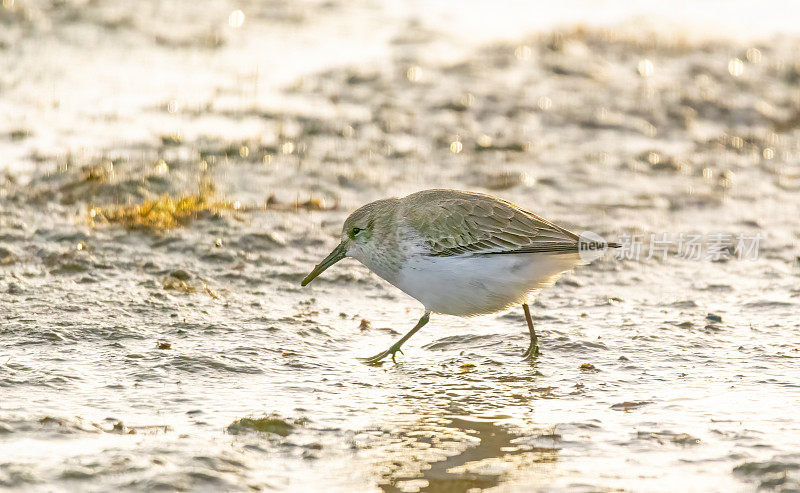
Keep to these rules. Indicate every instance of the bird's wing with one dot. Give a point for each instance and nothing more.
(461, 223)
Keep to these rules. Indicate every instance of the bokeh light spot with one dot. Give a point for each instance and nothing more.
(645, 68)
(236, 19)
(736, 67)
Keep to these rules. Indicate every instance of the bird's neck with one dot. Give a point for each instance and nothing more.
(393, 242)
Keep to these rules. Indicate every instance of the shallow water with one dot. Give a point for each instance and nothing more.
(126, 356)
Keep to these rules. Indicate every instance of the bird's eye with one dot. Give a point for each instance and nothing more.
(355, 231)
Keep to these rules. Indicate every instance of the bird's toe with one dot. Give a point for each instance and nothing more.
(531, 353)
(377, 359)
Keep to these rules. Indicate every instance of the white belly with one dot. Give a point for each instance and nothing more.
(472, 285)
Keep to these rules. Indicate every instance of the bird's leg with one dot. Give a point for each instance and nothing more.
(533, 348)
(396, 346)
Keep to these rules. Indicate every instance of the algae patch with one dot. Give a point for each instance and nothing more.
(181, 281)
(264, 424)
(173, 284)
(168, 211)
(163, 213)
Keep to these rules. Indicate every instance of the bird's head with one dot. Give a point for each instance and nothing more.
(364, 233)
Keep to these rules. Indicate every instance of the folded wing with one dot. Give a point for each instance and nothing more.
(463, 223)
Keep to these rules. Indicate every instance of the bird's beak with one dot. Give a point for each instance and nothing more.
(336, 255)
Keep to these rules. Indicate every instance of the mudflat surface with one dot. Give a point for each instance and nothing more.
(131, 347)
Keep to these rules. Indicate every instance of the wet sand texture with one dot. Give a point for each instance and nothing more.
(154, 335)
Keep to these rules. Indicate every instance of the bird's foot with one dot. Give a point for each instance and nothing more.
(374, 360)
(532, 352)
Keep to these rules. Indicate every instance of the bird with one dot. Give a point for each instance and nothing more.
(458, 253)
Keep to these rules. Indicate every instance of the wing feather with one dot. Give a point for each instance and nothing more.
(458, 223)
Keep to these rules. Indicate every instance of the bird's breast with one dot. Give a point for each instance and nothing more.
(475, 284)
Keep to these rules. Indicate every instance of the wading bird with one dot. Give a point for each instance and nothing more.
(458, 253)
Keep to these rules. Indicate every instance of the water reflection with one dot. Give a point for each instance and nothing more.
(458, 453)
